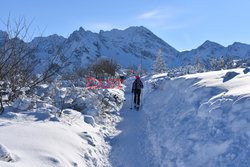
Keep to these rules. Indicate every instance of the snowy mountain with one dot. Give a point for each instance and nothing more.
(209, 50)
(128, 47)
(132, 43)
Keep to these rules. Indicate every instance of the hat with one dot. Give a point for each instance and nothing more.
(137, 77)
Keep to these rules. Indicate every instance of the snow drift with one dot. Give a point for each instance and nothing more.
(201, 120)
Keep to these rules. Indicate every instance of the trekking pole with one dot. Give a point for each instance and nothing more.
(141, 99)
(131, 100)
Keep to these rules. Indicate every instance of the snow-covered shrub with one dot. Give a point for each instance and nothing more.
(225, 63)
(67, 97)
(22, 104)
(103, 68)
(188, 69)
(87, 101)
(79, 104)
(217, 63)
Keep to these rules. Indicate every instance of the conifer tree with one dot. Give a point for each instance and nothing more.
(159, 65)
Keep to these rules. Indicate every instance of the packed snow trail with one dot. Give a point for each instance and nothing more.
(128, 148)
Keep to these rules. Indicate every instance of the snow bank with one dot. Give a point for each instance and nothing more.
(196, 120)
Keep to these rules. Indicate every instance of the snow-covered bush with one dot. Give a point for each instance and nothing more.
(22, 104)
(217, 63)
(213, 64)
(189, 69)
(103, 68)
(65, 95)
(225, 63)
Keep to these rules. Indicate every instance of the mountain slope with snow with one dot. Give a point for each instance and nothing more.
(133, 46)
(209, 50)
(128, 47)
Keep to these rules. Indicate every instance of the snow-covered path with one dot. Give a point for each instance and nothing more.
(128, 148)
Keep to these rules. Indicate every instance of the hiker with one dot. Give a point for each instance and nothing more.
(136, 90)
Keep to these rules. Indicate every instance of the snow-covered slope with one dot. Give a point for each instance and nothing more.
(207, 50)
(194, 120)
(129, 45)
(52, 143)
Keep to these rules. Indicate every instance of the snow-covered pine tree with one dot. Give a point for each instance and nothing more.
(199, 66)
(159, 65)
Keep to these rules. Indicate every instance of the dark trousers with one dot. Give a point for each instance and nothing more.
(137, 94)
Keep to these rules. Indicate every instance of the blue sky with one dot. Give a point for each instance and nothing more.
(184, 24)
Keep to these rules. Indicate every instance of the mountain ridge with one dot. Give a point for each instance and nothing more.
(132, 46)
